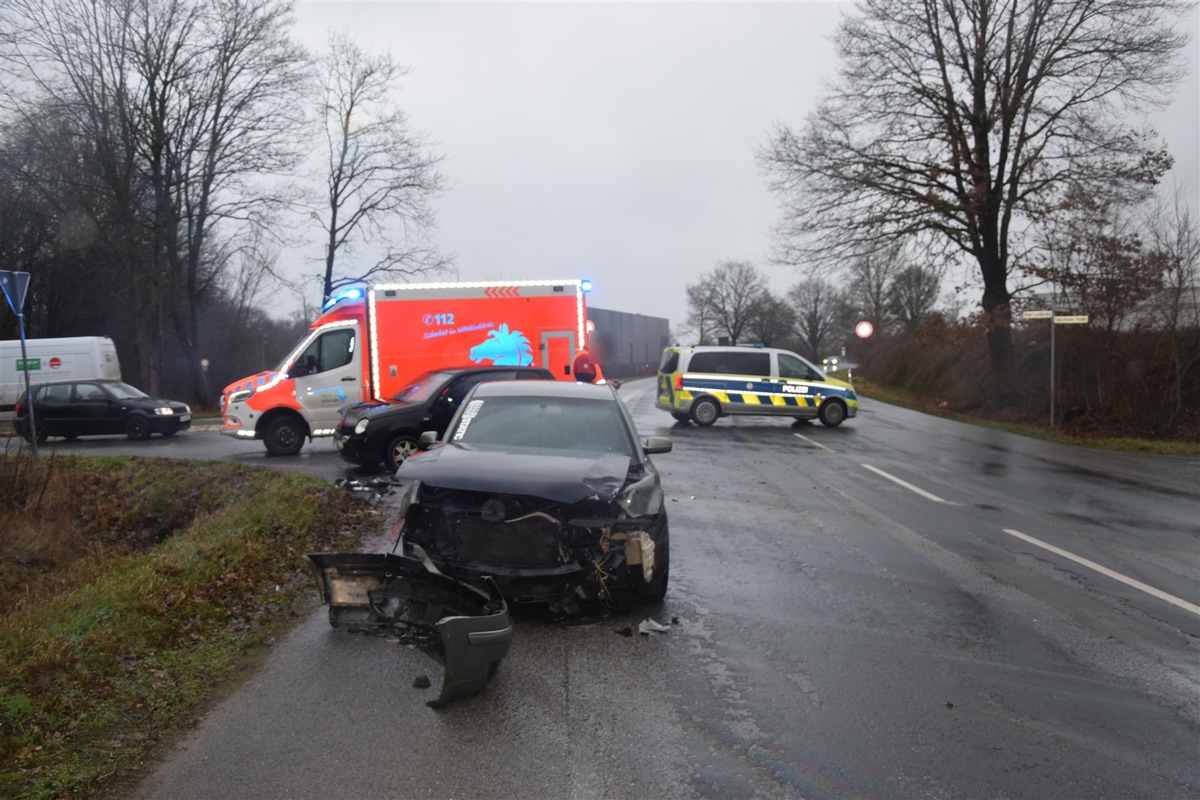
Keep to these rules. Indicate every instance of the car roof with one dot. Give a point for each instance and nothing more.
(548, 389)
(77, 380)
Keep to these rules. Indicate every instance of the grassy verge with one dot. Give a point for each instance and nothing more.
(928, 405)
(132, 589)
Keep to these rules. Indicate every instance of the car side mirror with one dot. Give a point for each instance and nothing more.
(656, 444)
(427, 439)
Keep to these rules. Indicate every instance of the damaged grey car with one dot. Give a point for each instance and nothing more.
(545, 488)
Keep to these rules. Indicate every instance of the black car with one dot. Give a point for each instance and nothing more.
(545, 488)
(97, 407)
(387, 432)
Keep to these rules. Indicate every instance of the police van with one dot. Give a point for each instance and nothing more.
(704, 383)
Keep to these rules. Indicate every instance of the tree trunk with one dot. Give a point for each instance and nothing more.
(997, 320)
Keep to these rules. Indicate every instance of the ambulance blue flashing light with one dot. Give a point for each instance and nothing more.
(585, 285)
(353, 293)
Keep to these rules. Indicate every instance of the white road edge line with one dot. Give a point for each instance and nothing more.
(810, 441)
(905, 484)
(1150, 590)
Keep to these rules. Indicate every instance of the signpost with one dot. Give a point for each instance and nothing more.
(14, 285)
(1075, 319)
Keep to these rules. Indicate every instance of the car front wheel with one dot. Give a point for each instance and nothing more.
(284, 437)
(137, 428)
(705, 411)
(832, 413)
(399, 449)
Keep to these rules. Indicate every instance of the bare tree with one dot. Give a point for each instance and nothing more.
(1096, 259)
(1174, 235)
(870, 275)
(819, 308)
(729, 298)
(185, 108)
(774, 321)
(956, 123)
(381, 175)
(912, 294)
(700, 315)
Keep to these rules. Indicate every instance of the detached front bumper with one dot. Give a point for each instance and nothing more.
(465, 626)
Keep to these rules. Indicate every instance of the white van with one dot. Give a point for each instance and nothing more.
(67, 358)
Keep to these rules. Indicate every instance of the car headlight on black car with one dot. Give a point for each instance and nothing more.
(165, 411)
(643, 498)
(361, 426)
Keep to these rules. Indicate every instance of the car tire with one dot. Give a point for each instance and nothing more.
(680, 416)
(399, 449)
(284, 436)
(42, 434)
(656, 589)
(705, 411)
(137, 428)
(832, 413)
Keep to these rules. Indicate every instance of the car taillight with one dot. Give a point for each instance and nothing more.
(678, 382)
(17, 409)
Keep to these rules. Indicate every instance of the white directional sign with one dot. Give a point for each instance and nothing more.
(1037, 315)
(1076, 320)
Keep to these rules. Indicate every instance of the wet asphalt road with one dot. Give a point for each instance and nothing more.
(859, 612)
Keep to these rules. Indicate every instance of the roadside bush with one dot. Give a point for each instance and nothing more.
(1138, 383)
(138, 585)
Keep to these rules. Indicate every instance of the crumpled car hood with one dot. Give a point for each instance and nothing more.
(561, 478)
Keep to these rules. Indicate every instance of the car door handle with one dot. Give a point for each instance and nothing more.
(349, 380)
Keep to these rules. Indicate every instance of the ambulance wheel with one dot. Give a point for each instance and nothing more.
(399, 449)
(284, 437)
(705, 411)
(680, 416)
(832, 413)
(137, 428)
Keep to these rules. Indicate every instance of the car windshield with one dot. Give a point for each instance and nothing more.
(420, 389)
(505, 423)
(123, 391)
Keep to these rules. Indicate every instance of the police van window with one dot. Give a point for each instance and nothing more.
(795, 368)
(731, 362)
(670, 361)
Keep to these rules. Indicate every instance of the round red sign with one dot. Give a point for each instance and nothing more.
(864, 329)
(55, 362)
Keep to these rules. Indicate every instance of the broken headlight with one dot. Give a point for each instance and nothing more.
(409, 495)
(643, 498)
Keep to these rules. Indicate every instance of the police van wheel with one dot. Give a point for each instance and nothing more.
(705, 411)
(284, 437)
(832, 413)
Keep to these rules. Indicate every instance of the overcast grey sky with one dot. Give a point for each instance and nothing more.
(616, 140)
